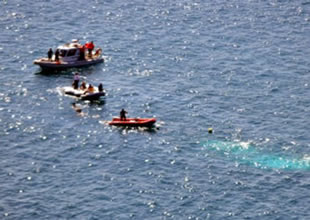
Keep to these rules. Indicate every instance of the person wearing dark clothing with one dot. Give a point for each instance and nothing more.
(50, 54)
(83, 86)
(100, 87)
(123, 115)
(57, 55)
(82, 53)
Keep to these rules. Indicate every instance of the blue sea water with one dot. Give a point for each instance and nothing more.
(239, 67)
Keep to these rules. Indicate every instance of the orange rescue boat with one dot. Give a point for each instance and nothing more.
(133, 122)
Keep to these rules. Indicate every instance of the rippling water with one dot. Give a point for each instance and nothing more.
(239, 67)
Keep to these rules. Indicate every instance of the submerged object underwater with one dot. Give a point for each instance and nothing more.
(244, 153)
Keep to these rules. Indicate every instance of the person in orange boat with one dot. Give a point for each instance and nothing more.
(123, 115)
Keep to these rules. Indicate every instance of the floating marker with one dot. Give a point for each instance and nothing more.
(210, 130)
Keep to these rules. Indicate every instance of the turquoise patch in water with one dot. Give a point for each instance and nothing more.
(247, 154)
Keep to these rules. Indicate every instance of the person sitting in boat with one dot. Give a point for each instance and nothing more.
(90, 89)
(90, 46)
(50, 54)
(76, 81)
(98, 52)
(123, 115)
(57, 55)
(83, 85)
(100, 87)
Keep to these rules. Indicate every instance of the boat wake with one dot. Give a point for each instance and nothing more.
(245, 153)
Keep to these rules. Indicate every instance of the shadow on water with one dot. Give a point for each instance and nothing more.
(244, 153)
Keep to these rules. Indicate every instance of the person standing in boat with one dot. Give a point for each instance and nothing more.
(123, 115)
(76, 81)
(57, 55)
(100, 87)
(90, 46)
(82, 53)
(50, 54)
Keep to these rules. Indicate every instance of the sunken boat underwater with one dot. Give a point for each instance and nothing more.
(70, 55)
(84, 94)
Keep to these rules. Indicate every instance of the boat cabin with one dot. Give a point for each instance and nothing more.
(70, 52)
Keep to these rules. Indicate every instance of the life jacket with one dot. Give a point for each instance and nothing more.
(91, 46)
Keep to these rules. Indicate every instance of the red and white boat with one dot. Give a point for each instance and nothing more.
(133, 122)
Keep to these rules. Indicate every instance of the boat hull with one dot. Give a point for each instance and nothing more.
(46, 64)
(92, 96)
(133, 122)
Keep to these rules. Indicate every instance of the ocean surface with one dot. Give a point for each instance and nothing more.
(240, 68)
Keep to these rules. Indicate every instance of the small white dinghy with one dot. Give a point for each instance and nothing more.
(83, 94)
